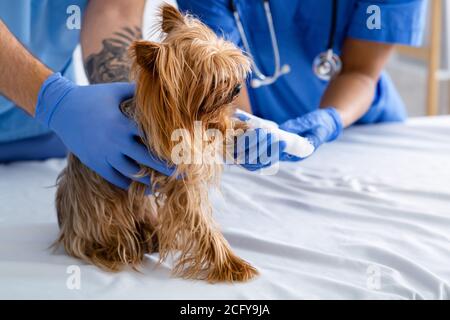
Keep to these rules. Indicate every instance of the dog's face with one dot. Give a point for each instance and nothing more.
(191, 75)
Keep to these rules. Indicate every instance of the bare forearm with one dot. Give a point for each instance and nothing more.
(351, 93)
(108, 29)
(21, 74)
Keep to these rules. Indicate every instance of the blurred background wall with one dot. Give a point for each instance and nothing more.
(422, 75)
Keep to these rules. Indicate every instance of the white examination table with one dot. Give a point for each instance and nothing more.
(367, 216)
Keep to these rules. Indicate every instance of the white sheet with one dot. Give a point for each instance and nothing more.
(366, 217)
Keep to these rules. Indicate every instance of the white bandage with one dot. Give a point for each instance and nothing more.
(295, 144)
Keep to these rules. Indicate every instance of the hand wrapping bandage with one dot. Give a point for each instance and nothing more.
(295, 144)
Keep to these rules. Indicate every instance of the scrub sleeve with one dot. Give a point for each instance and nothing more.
(402, 22)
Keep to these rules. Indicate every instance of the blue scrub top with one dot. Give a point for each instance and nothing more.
(302, 28)
(40, 25)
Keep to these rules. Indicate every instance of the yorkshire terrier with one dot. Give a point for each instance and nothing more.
(187, 81)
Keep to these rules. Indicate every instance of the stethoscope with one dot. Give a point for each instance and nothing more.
(326, 65)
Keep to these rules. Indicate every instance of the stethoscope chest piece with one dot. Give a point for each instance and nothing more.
(327, 65)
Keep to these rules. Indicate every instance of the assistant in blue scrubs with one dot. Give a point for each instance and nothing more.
(302, 29)
(41, 27)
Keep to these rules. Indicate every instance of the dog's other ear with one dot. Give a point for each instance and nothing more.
(171, 18)
(145, 53)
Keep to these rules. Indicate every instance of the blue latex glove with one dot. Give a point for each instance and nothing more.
(257, 148)
(320, 126)
(89, 122)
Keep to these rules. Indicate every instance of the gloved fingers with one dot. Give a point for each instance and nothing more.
(281, 146)
(141, 155)
(323, 133)
(115, 177)
(128, 168)
(284, 156)
(251, 138)
(127, 163)
(247, 144)
(265, 153)
(134, 131)
(278, 150)
(314, 139)
(299, 125)
(124, 90)
(255, 167)
(268, 151)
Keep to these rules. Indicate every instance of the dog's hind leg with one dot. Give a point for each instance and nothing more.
(187, 226)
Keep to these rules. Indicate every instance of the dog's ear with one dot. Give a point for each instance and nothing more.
(171, 18)
(145, 53)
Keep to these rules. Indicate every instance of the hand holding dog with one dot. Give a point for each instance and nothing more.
(261, 149)
(89, 122)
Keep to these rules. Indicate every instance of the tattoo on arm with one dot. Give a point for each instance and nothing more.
(112, 64)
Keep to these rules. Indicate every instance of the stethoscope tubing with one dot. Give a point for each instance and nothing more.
(263, 79)
(246, 44)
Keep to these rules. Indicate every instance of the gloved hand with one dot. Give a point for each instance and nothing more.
(320, 126)
(88, 121)
(257, 148)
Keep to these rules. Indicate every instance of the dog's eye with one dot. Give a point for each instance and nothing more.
(235, 93)
(236, 90)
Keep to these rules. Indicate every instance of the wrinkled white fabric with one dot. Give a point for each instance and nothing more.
(367, 216)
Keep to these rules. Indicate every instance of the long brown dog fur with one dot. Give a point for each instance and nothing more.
(189, 76)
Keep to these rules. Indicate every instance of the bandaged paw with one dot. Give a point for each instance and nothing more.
(295, 145)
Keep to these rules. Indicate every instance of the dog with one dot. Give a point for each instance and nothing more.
(191, 76)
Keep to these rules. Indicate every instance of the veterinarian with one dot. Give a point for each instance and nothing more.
(318, 64)
(43, 114)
